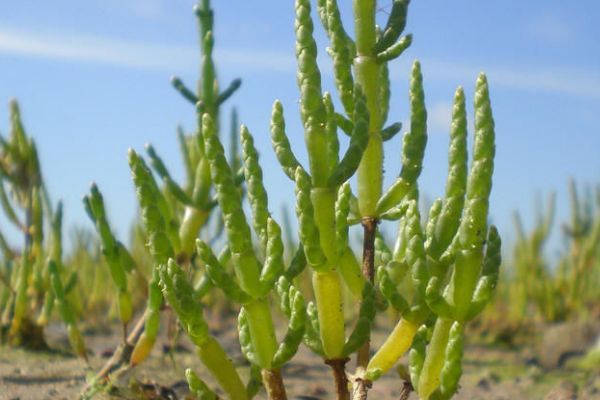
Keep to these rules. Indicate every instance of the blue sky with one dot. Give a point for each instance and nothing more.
(92, 78)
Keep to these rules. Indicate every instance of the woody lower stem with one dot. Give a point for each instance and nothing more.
(368, 270)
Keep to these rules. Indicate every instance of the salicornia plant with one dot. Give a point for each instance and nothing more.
(174, 283)
(117, 257)
(532, 281)
(474, 259)
(32, 280)
(182, 232)
(21, 174)
(172, 216)
(256, 270)
(317, 189)
(453, 269)
(578, 274)
(439, 275)
(536, 289)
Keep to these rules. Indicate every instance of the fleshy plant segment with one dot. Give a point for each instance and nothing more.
(117, 257)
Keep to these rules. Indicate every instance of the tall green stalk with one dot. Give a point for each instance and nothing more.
(366, 72)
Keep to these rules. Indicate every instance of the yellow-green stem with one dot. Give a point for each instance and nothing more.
(20, 308)
(351, 273)
(434, 361)
(262, 332)
(366, 71)
(125, 306)
(323, 200)
(328, 295)
(327, 284)
(464, 280)
(394, 347)
(370, 169)
(316, 145)
(193, 219)
(247, 271)
(216, 361)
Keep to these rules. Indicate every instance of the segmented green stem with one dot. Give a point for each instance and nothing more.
(436, 351)
(245, 262)
(473, 226)
(394, 25)
(358, 142)
(312, 109)
(326, 281)
(281, 144)
(154, 212)
(111, 250)
(180, 295)
(473, 276)
(456, 183)
(197, 387)
(307, 228)
(384, 95)
(257, 195)
(331, 134)
(349, 266)
(294, 308)
(273, 264)
(366, 72)
(328, 296)
(66, 313)
(219, 275)
(342, 63)
(413, 145)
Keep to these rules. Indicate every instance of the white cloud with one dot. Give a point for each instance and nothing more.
(572, 82)
(89, 48)
(550, 29)
(568, 81)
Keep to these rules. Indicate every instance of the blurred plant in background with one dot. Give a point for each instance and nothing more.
(32, 276)
(537, 289)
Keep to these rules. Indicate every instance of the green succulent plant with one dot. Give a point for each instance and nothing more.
(450, 254)
(33, 278)
(439, 275)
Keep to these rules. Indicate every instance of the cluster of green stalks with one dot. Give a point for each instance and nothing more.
(537, 289)
(449, 259)
(34, 279)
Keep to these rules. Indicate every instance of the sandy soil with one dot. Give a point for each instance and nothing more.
(489, 373)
